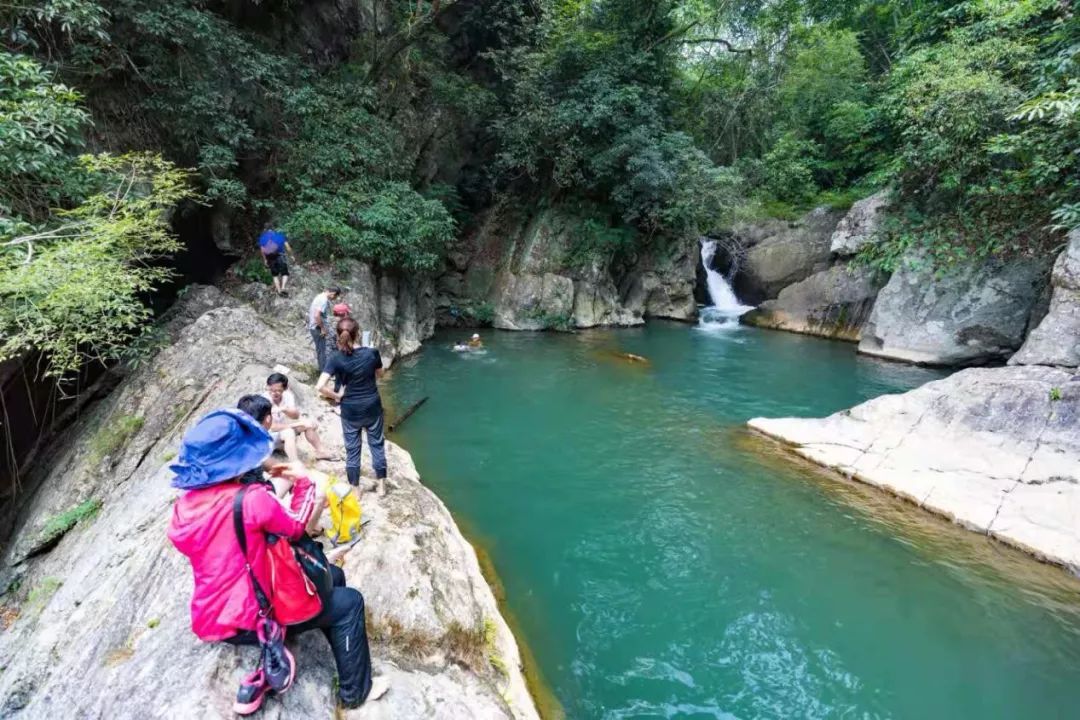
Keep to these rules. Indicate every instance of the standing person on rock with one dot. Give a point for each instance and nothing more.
(319, 322)
(357, 368)
(214, 457)
(274, 247)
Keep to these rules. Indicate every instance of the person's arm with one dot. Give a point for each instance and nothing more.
(379, 369)
(288, 406)
(288, 251)
(262, 510)
(323, 387)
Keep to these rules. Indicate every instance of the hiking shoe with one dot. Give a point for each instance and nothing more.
(278, 664)
(253, 689)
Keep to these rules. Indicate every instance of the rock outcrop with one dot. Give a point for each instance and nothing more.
(833, 303)
(972, 315)
(94, 599)
(993, 449)
(527, 271)
(398, 309)
(858, 228)
(793, 252)
(1056, 339)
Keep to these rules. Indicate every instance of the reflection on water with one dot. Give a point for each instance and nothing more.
(661, 561)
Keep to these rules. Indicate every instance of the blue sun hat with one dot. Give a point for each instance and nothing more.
(222, 445)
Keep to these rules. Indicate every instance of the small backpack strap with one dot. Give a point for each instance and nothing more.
(241, 537)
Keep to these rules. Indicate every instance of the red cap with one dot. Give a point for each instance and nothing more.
(342, 309)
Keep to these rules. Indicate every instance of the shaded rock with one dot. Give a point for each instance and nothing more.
(103, 626)
(995, 449)
(858, 227)
(398, 310)
(833, 303)
(975, 314)
(786, 257)
(534, 302)
(1056, 339)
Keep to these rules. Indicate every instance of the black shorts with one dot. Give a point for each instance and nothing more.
(278, 266)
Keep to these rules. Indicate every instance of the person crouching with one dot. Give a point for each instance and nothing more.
(214, 455)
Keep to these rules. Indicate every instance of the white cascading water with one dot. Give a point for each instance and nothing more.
(726, 308)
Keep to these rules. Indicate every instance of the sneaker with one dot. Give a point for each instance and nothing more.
(253, 690)
(278, 663)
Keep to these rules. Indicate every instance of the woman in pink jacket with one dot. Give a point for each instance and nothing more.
(216, 456)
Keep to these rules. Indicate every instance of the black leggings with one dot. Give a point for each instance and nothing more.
(342, 622)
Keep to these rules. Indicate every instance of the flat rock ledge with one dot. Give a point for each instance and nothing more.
(995, 450)
(95, 623)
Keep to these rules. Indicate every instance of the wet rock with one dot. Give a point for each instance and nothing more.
(1056, 339)
(833, 303)
(995, 449)
(972, 315)
(102, 625)
(534, 302)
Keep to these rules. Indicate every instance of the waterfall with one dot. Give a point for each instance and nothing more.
(726, 308)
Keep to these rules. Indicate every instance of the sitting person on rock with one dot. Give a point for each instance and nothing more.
(214, 455)
(286, 422)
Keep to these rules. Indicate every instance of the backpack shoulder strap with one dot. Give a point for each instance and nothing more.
(238, 527)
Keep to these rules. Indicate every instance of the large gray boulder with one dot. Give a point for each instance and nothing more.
(833, 303)
(995, 449)
(95, 612)
(1056, 340)
(534, 302)
(972, 315)
(858, 228)
(787, 256)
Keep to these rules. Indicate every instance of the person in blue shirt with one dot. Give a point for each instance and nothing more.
(275, 247)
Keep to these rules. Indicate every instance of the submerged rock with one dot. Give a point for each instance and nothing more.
(99, 626)
(1056, 340)
(973, 315)
(996, 450)
(833, 303)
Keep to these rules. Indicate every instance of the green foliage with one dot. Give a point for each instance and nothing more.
(253, 269)
(113, 436)
(42, 592)
(58, 525)
(1055, 394)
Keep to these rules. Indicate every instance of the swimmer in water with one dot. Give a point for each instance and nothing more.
(475, 343)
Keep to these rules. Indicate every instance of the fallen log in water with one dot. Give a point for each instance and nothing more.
(407, 414)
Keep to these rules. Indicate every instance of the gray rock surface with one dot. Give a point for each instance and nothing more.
(833, 303)
(99, 626)
(524, 266)
(1056, 339)
(787, 256)
(973, 315)
(995, 449)
(399, 310)
(857, 228)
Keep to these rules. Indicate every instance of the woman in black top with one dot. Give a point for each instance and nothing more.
(356, 368)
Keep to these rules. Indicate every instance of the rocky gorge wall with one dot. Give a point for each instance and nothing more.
(94, 599)
(517, 270)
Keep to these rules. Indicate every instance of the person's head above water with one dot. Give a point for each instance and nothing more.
(333, 291)
(223, 445)
(258, 408)
(476, 336)
(276, 385)
(348, 335)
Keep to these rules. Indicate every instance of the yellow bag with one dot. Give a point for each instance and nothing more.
(344, 512)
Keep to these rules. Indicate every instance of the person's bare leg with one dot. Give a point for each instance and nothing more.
(288, 439)
(313, 439)
(277, 284)
(284, 282)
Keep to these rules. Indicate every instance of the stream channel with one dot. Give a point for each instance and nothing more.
(661, 561)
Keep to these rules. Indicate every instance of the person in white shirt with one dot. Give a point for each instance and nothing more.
(287, 424)
(318, 322)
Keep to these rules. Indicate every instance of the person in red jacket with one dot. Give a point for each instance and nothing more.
(216, 455)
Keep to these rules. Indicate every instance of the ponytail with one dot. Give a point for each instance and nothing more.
(348, 330)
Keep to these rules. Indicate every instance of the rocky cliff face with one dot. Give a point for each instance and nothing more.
(519, 270)
(1056, 339)
(93, 598)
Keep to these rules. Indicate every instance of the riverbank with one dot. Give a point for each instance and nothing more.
(94, 600)
(994, 450)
